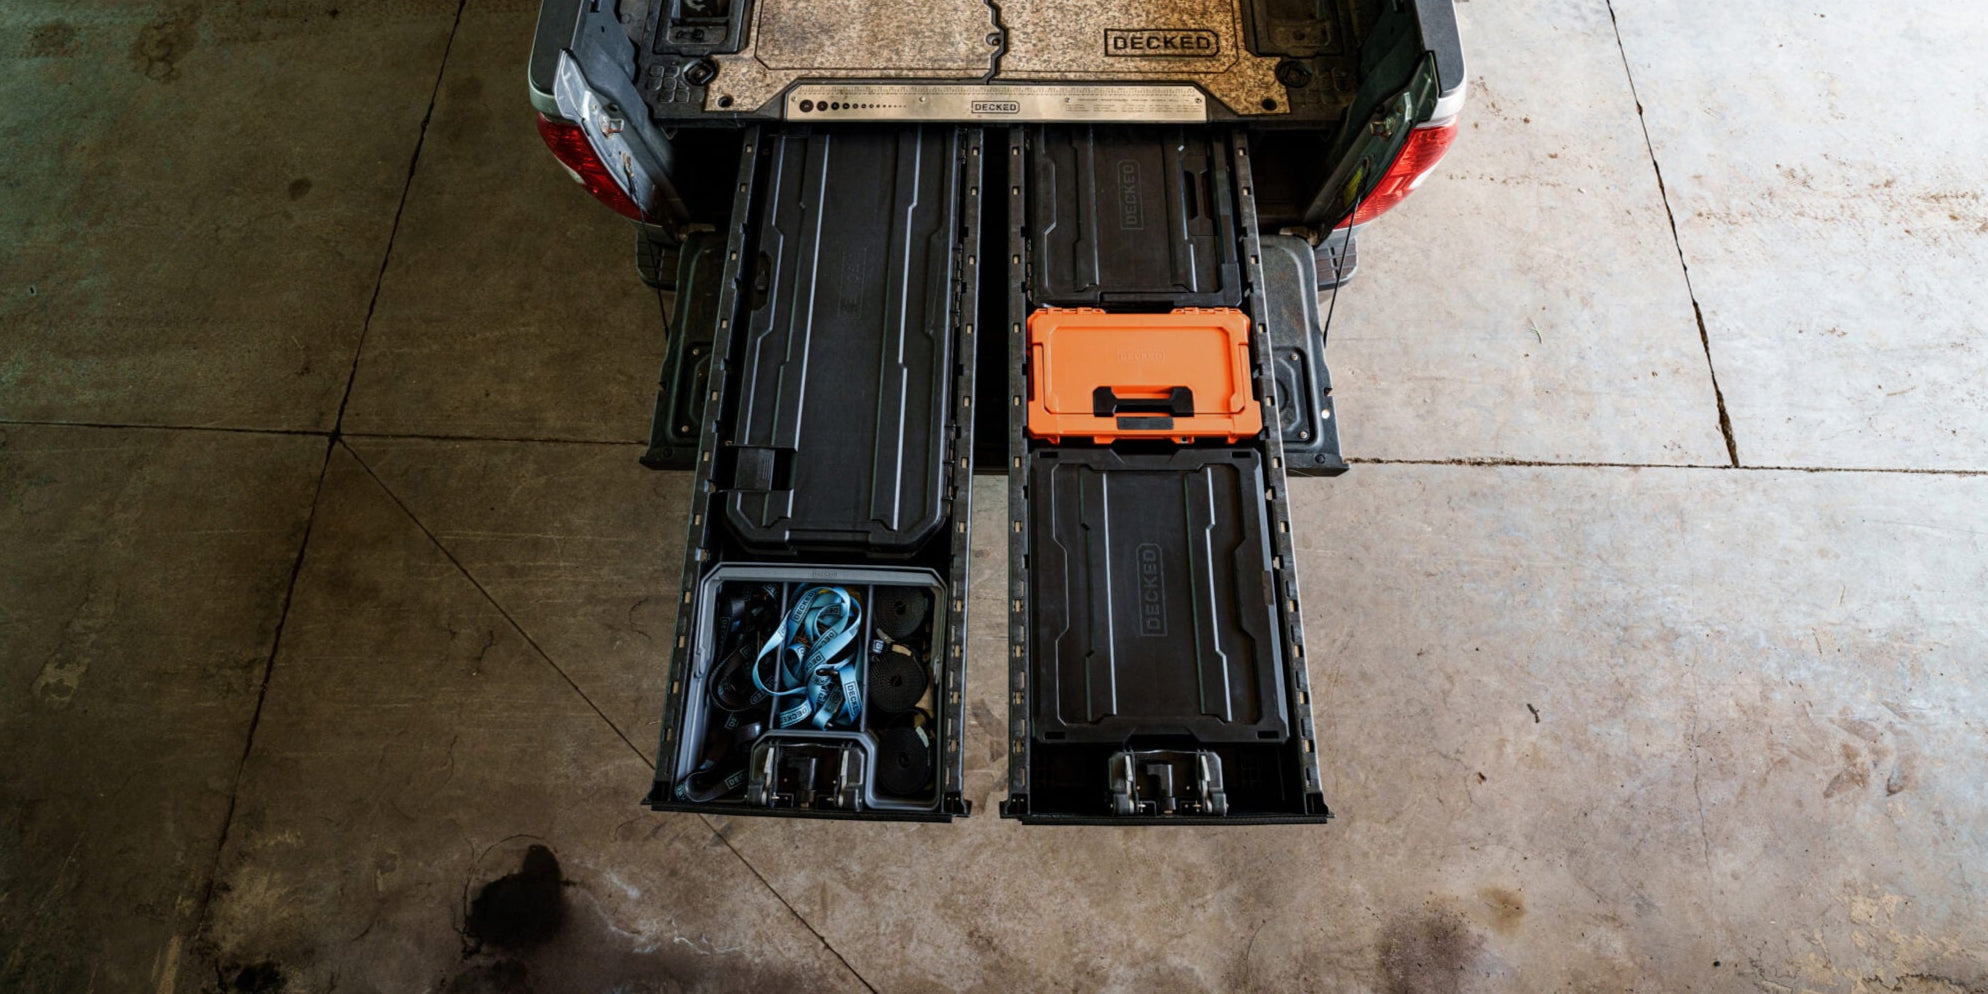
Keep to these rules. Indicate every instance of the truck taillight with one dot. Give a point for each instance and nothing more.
(1424, 148)
(569, 143)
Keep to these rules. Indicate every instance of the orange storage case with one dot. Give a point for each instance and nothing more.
(1181, 375)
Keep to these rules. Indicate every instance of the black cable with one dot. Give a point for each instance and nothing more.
(1339, 266)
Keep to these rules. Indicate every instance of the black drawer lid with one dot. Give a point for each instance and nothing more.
(846, 356)
(1132, 215)
(1153, 610)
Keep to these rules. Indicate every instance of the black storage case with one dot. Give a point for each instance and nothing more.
(1306, 420)
(1131, 215)
(847, 347)
(1152, 615)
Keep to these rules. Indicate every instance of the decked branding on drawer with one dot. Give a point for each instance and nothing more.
(1152, 592)
(1131, 207)
(1167, 43)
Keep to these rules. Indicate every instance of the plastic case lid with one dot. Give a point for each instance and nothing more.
(1123, 215)
(1152, 613)
(1181, 375)
(845, 355)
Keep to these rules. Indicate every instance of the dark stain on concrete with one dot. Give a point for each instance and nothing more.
(253, 978)
(585, 949)
(1855, 775)
(464, 113)
(504, 976)
(1508, 907)
(990, 729)
(54, 40)
(523, 909)
(1428, 954)
(1902, 773)
(300, 188)
(1859, 727)
(163, 42)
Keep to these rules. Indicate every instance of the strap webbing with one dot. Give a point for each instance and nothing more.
(820, 627)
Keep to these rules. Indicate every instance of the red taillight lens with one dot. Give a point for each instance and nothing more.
(570, 144)
(1425, 147)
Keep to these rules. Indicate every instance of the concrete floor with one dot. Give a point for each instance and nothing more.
(331, 584)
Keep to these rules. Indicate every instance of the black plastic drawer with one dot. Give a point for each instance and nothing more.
(844, 337)
(1157, 669)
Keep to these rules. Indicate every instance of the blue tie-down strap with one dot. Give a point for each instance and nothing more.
(821, 626)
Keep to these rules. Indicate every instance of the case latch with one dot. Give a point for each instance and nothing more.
(1167, 782)
(800, 774)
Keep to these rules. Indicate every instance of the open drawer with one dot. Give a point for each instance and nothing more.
(1157, 669)
(762, 728)
(819, 657)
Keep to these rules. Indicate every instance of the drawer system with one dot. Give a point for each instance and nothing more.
(1152, 374)
(1082, 246)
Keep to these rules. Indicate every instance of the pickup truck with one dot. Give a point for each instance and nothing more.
(1080, 244)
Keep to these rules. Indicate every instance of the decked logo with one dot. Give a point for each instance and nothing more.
(1161, 43)
(996, 107)
(1152, 591)
(1131, 209)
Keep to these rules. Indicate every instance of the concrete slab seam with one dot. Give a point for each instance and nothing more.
(493, 602)
(393, 231)
(796, 912)
(1704, 335)
(206, 898)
